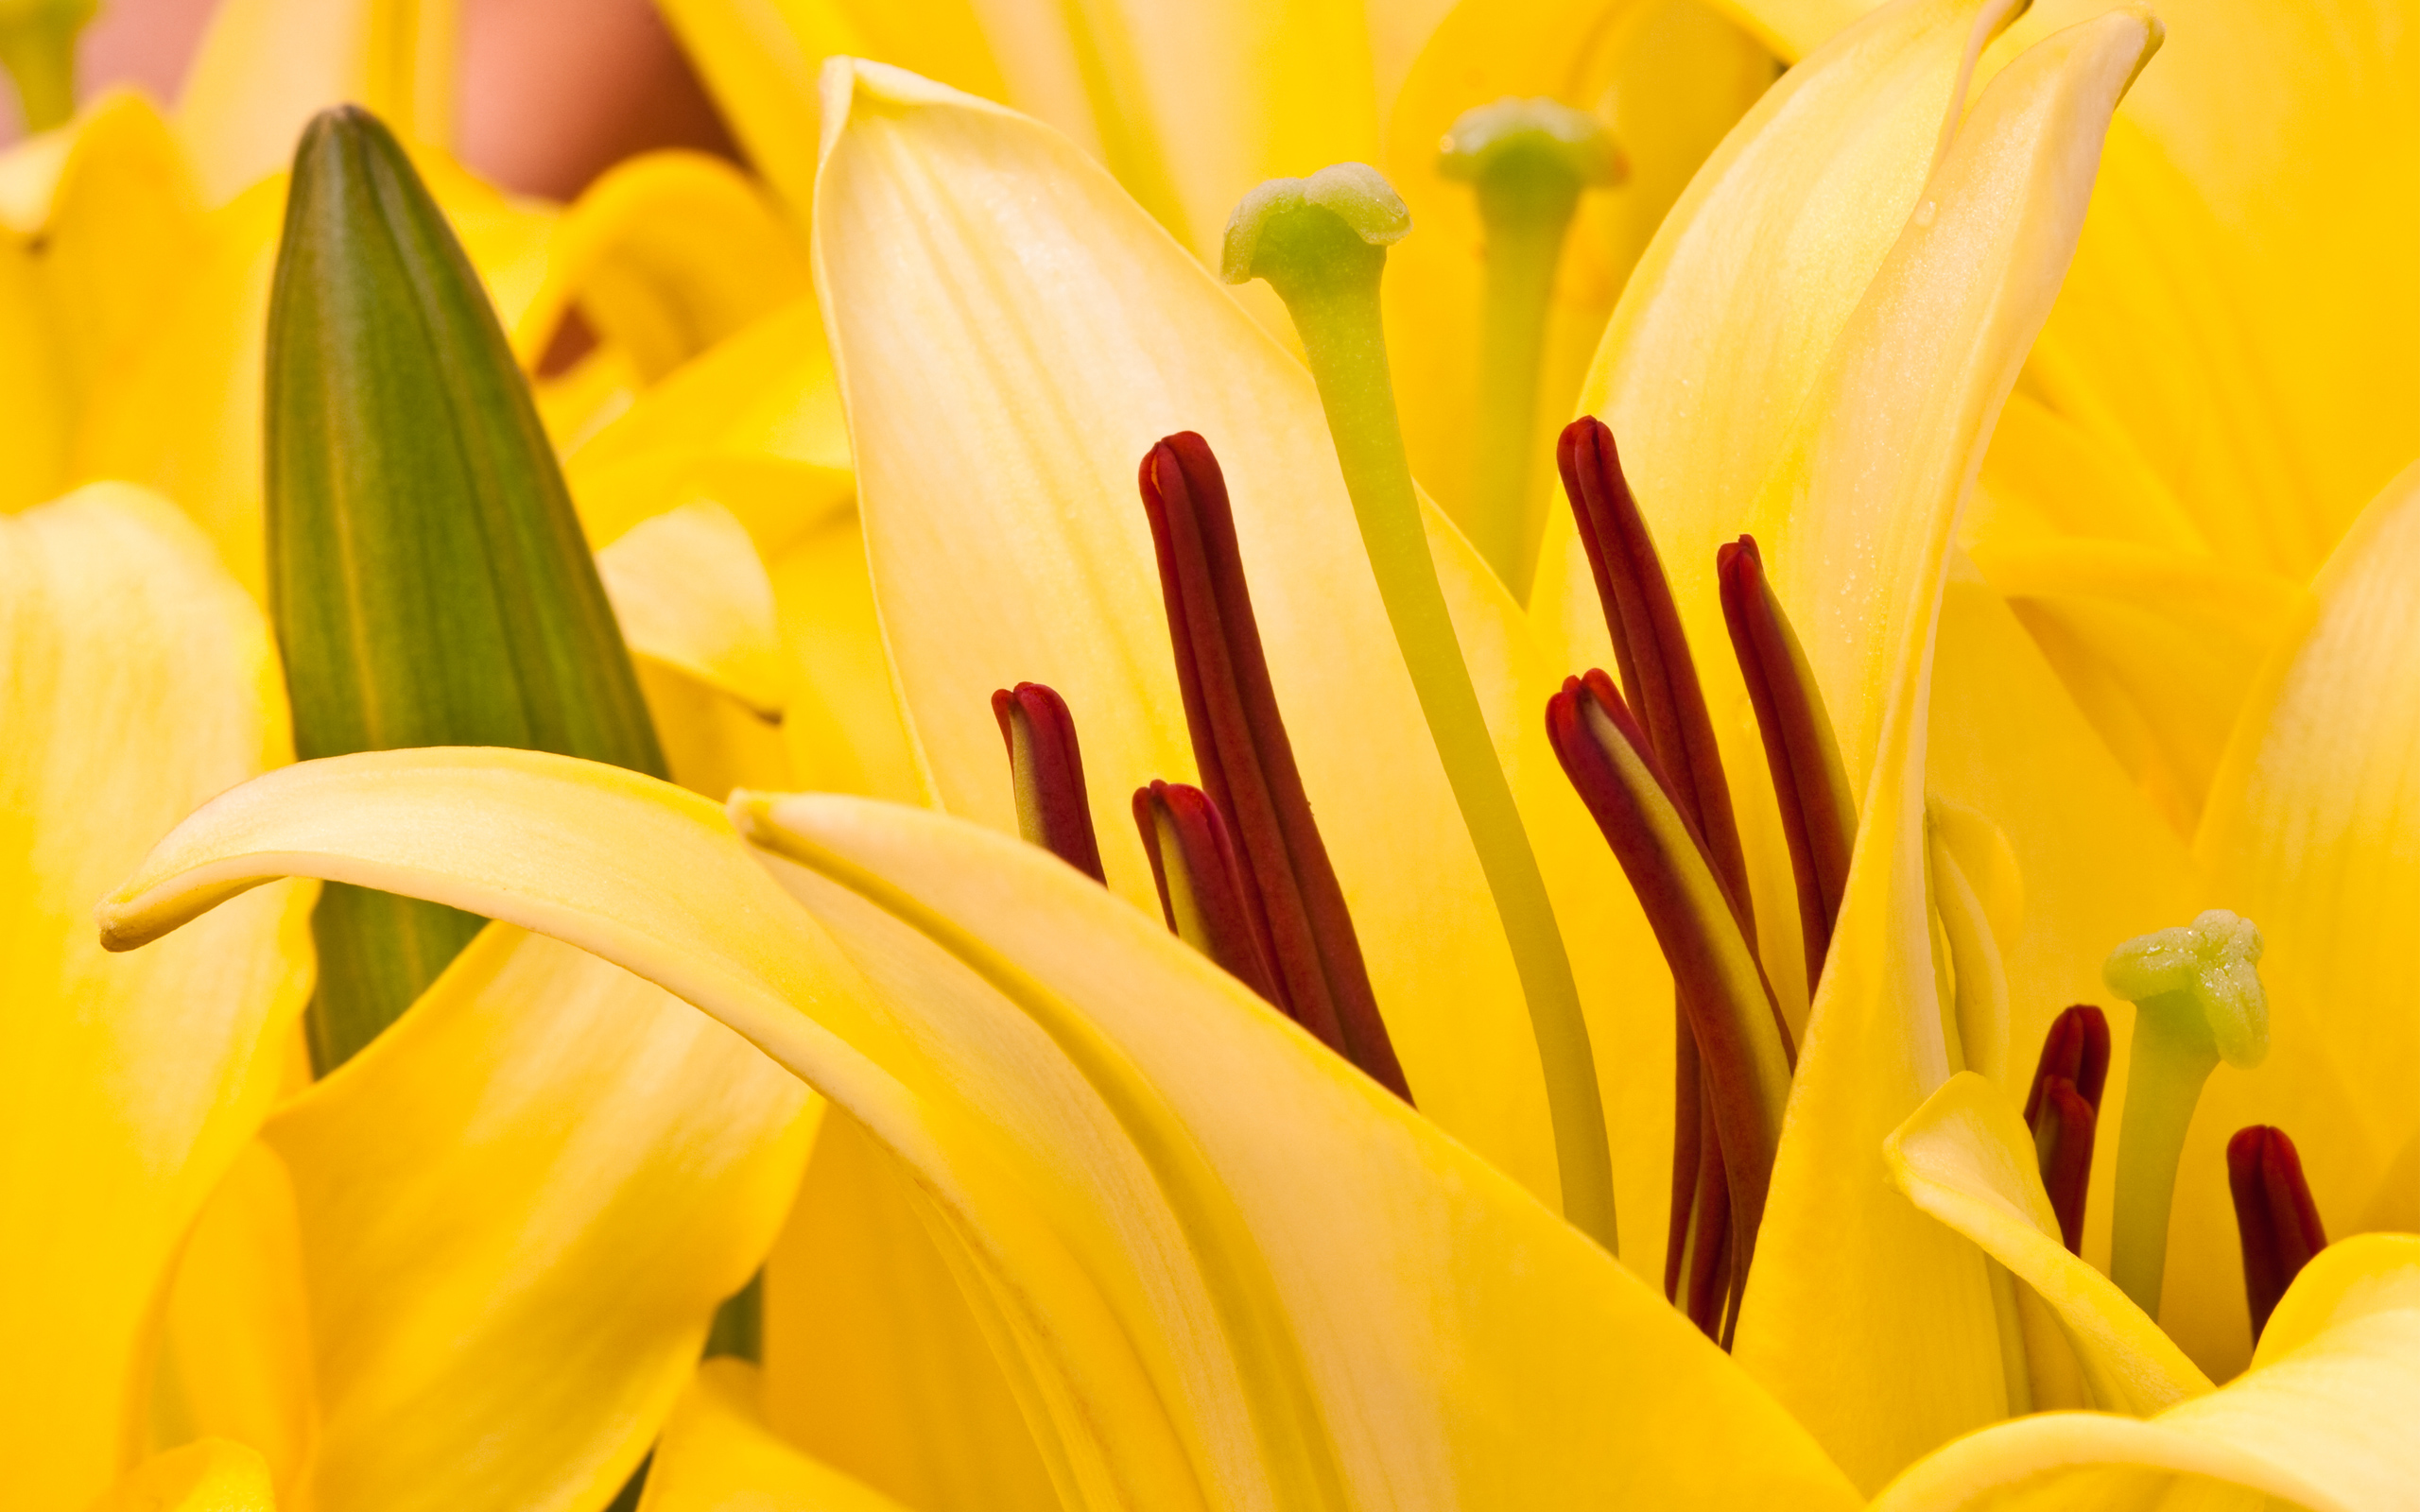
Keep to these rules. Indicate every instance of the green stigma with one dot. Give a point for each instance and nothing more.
(2198, 1000)
(1527, 162)
(38, 48)
(1322, 244)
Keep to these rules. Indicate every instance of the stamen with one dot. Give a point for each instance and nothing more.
(2063, 1109)
(1818, 811)
(1322, 244)
(1247, 761)
(1527, 162)
(2197, 1000)
(1048, 770)
(2273, 1214)
(1201, 890)
(1746, 1050)
(1660, 678)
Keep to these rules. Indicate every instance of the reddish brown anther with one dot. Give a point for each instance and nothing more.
(2274, 1216)
(1660, 678)
(1202, 889)
(1048, 771)
(1247, 763)
(2076, 1049)
(1818, 811)
(2063, 1109)
(2062, 1130)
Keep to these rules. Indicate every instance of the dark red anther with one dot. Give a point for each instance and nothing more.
(2273, 1215)
(1048, 771)
(1659, 678)
(2063, 1109)
(2076, 1049)
(1818, 811)
(2062, 1130)
(1247, 763)
(1201, 883)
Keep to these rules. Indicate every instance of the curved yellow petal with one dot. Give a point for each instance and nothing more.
(1007, 543)
(1965, 1157)
(666, 255)
(689, 592)
(717, 1454)
(875, 1361)
(1794, 28)
(517, 1211)
(138, 681)
(2311, 833)
(265, 66)
(1906, 1357)
(845, 728)
(2323, 1420)
(1024, 1000)
(208, 1475)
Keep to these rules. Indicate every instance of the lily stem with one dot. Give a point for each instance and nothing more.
(1524, 234)
(1335, 312)
(2163, 1083)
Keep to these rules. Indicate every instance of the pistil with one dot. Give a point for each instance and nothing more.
(2063, 1110)
(1047, 768)
(1818, 811)
(1201, 882)
(38, 48)
(1526, 161)
(2198, 1000)
(1321, 243)
(1247, 760)
(2274, 1216)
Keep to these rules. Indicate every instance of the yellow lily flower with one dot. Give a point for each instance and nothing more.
(1019, 1073)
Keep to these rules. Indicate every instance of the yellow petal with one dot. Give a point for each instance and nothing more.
(2234, 312)
(1907, 1356)
(1454, 1334)
(875, 1362)
(265, 67)
(845, 729)
(717, 1454)
(2323, 1420)
(666, 254)
(235, 1359)
(208, 1475)
(1007, 543)
(2156, 646)
(139, 680)
(1965, 1157)
(518, 1210)
(2311, 833)
(1794, 28)
(690, 593)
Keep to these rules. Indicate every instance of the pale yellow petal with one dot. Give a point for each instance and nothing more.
(875, 1361)
(518, 1209)
(2311, 833)
(845, 729)
(1138, 1093)
(2323, 1420)
(1794, 28)
(1007, 543)
(136, 680)
(208, 1475)
(1967, 1159)
(1907, 1356)
(719, 1456)
(265, 66)
(690, 593)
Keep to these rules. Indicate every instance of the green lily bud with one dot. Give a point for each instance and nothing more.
(428, 578)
